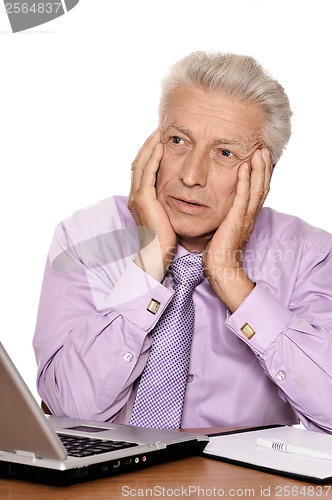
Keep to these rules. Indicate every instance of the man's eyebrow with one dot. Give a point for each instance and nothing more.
(229, 142)
(219, 140)
(179, 129)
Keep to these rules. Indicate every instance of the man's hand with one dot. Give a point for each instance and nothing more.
(223, 256)
(156, 255)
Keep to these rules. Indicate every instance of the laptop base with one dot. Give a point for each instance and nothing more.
(42, 475)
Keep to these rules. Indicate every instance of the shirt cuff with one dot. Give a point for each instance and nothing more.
(259, 319)
(139, 298)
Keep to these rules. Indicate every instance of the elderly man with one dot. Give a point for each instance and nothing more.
(188, 304)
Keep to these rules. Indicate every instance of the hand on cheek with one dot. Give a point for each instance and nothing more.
(148, 213)
(223, 258)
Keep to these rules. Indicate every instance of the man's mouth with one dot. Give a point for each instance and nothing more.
(190, 201)
(188, 205)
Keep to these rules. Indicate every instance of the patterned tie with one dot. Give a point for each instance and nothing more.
(161, 390)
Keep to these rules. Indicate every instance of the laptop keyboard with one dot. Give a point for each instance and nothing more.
(84, 447)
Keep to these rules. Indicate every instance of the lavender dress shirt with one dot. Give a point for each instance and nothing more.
(93, 327)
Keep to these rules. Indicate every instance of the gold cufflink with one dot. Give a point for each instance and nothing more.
(248, 331)
(153, 306)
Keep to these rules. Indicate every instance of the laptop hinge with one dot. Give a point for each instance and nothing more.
(23, 453)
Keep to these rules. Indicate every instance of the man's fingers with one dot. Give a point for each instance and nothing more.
(143, 153)
(269, 168)
(252, 188)
(149, 173)
(142, 158)
(242, 196)
(261, 172)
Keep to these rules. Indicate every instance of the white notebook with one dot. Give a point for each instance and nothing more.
(241, 448)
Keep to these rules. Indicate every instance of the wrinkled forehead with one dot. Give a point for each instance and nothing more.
(216, 99)
(213, 116)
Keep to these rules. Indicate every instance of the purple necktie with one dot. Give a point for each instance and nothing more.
(161, 390)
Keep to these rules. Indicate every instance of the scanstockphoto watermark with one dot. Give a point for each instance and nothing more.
(194, 491)
(273, 256)
(267, 264)
(28, 13)
(254, 273)
(123, 244)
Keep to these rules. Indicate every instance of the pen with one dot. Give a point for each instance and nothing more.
(277, 445)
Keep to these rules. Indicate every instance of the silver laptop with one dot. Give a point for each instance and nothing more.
(61, 451)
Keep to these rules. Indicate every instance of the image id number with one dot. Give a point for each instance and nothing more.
(302, 491)
(35, 8)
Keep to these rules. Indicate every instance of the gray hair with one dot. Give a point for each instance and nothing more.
(240, 76)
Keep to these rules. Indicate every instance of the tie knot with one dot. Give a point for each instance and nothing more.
(188, 270)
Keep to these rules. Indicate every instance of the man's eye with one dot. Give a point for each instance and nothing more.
(176, 140)
(226, 152)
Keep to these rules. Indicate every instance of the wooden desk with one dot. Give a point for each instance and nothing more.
(194, 477)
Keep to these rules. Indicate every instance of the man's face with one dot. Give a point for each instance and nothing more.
(206, 137)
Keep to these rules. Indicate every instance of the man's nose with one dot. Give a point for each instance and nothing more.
(194, 171)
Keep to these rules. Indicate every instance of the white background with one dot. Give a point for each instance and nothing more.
(78, 97)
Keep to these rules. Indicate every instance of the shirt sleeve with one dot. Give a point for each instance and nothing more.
(89, 357)
(293, 342)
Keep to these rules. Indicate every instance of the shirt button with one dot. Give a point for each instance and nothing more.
(128, 357)
(281, 375)
(190, 377)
